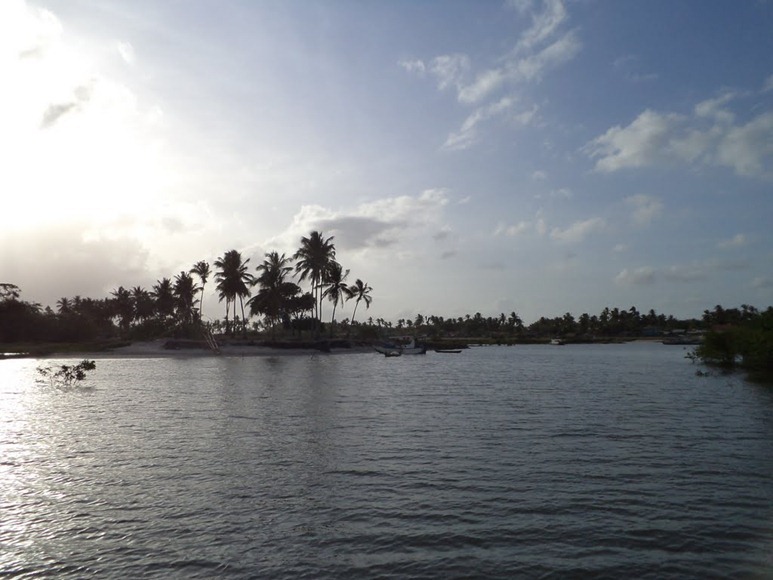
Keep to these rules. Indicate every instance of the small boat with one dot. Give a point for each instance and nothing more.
(401, 345)
(448, 350)
(557, 341)
(390, 353)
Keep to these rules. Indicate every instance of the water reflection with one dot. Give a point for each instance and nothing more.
(498, 462)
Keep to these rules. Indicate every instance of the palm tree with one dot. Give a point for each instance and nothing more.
(361, 291)
(312, 260)
(124, 308)
(184, 291)
(63, 306)
(233, 282)
(201, 269)
(337, 290)
(143, 304)
(163, 294)
(273, 297)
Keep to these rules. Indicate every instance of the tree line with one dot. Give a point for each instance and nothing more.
(175, 306)
(271, 299)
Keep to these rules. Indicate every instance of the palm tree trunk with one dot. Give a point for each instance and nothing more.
(201, 301)
(354, 313)
(244, 320)
(332, 319)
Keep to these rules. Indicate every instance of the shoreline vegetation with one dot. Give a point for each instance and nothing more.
(270, 312)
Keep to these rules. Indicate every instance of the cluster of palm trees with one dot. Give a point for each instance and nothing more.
(277, 298)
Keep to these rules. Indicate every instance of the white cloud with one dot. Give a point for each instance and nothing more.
(484, 84)
(710, 137)
(449, 70)
(645, 208)
(712, 108)
(643, 142)
(533, 66)
(467, 134)
(415, 66)
(578, 231)
(748, 149)
(768, 85)
(126, 51)
(639, 276)
(492, 90)
(512, 230)
(389, 222)
(544, 24)
(762, 282)
(737, 241)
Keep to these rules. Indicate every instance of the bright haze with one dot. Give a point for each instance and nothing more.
(532, 156)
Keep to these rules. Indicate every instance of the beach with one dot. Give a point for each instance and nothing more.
(172, 348)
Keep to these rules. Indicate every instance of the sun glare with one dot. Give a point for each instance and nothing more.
(81, 146)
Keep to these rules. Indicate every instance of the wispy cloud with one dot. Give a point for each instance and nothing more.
(645, 208)
(737, 241)
(709, 136)
(467, 134)
(578, 231)
(698, 271)
(544, 24)
(628, 67)
(126, 52)
(492, 91)
(513, 230)
(636, 277)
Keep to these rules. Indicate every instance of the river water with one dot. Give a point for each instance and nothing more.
(605, 461)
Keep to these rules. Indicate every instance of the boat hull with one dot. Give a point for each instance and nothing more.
(397, 351)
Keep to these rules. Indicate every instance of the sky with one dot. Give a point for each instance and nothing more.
(468, 156)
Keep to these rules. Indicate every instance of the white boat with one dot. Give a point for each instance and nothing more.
(557, 341)
(399, 345)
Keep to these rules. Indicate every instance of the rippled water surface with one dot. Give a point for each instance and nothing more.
(530, 461)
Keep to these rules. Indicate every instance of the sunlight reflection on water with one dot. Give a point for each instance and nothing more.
(498, 462)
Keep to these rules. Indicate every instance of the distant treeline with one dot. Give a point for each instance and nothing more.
(140, 315)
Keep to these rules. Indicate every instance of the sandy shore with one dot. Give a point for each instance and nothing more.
(158, 348)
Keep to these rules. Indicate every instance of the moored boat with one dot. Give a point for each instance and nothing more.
(401, 345)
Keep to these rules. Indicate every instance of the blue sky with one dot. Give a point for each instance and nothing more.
(470, 156)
